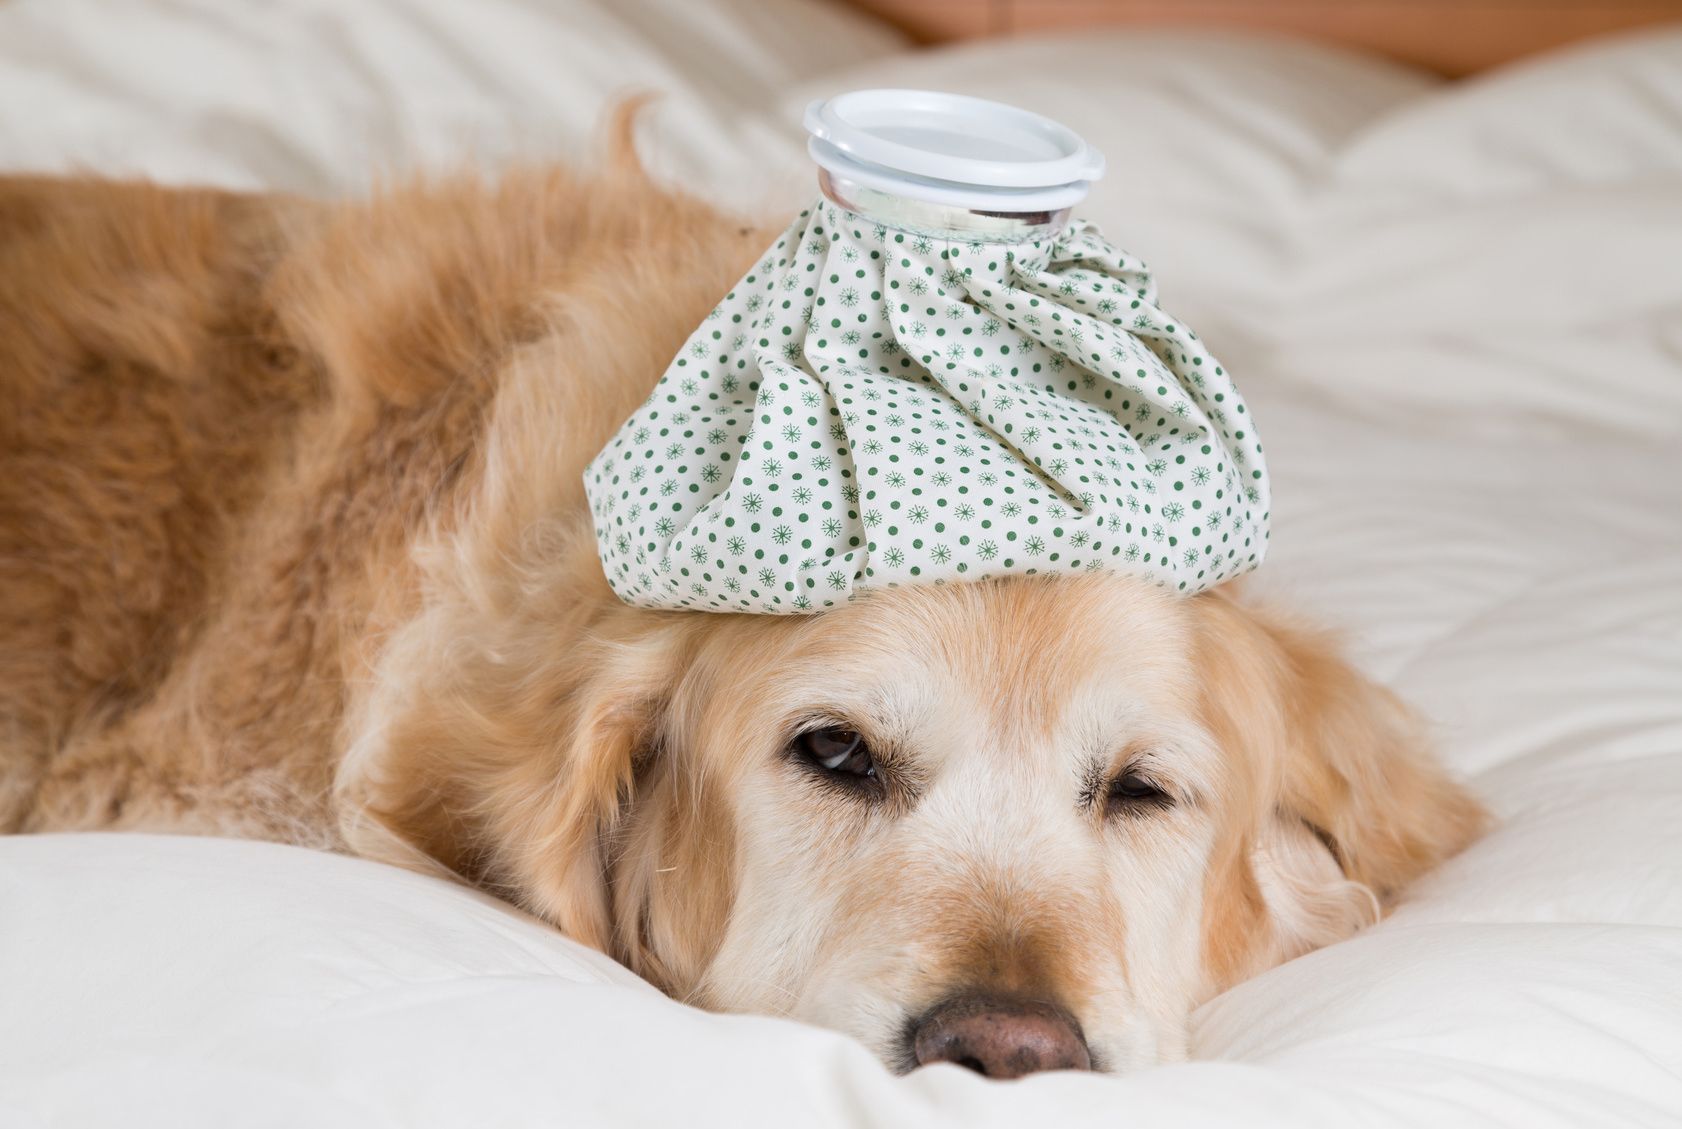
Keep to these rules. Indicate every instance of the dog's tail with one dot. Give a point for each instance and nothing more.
(620, 134)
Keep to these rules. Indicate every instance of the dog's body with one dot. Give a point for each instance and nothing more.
(293, 544)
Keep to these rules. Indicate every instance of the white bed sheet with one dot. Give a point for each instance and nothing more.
(1457, 314)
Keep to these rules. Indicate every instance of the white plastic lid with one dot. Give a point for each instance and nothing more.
(952, 149)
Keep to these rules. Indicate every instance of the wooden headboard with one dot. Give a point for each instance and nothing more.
(1451, 37)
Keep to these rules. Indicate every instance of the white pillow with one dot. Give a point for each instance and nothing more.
(323, 96)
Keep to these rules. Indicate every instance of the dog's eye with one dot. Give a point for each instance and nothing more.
(1132, 793)
(837, 749)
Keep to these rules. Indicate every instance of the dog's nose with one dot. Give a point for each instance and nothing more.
(1001, 1038)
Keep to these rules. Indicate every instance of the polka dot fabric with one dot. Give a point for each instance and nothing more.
(871, 407)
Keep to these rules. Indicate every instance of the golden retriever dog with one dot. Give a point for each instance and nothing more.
(294, 545)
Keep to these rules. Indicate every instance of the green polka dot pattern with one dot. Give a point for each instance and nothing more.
(873, 407)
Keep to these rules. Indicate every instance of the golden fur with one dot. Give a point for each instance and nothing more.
(293, 544)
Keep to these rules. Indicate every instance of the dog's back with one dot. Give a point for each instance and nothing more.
(226, 421)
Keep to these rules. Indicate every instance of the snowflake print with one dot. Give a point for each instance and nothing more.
(1045, 367)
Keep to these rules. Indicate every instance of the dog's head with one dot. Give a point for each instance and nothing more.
(1016, 825)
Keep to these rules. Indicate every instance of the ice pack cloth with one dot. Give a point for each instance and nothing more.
(873, 406)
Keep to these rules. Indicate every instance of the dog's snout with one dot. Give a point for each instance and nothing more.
(1000, 1037)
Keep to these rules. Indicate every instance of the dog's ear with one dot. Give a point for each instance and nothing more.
(557, 856)
(512, 766)
(1328, 747)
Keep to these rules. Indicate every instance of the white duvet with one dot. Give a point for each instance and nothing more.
(1457, 311)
